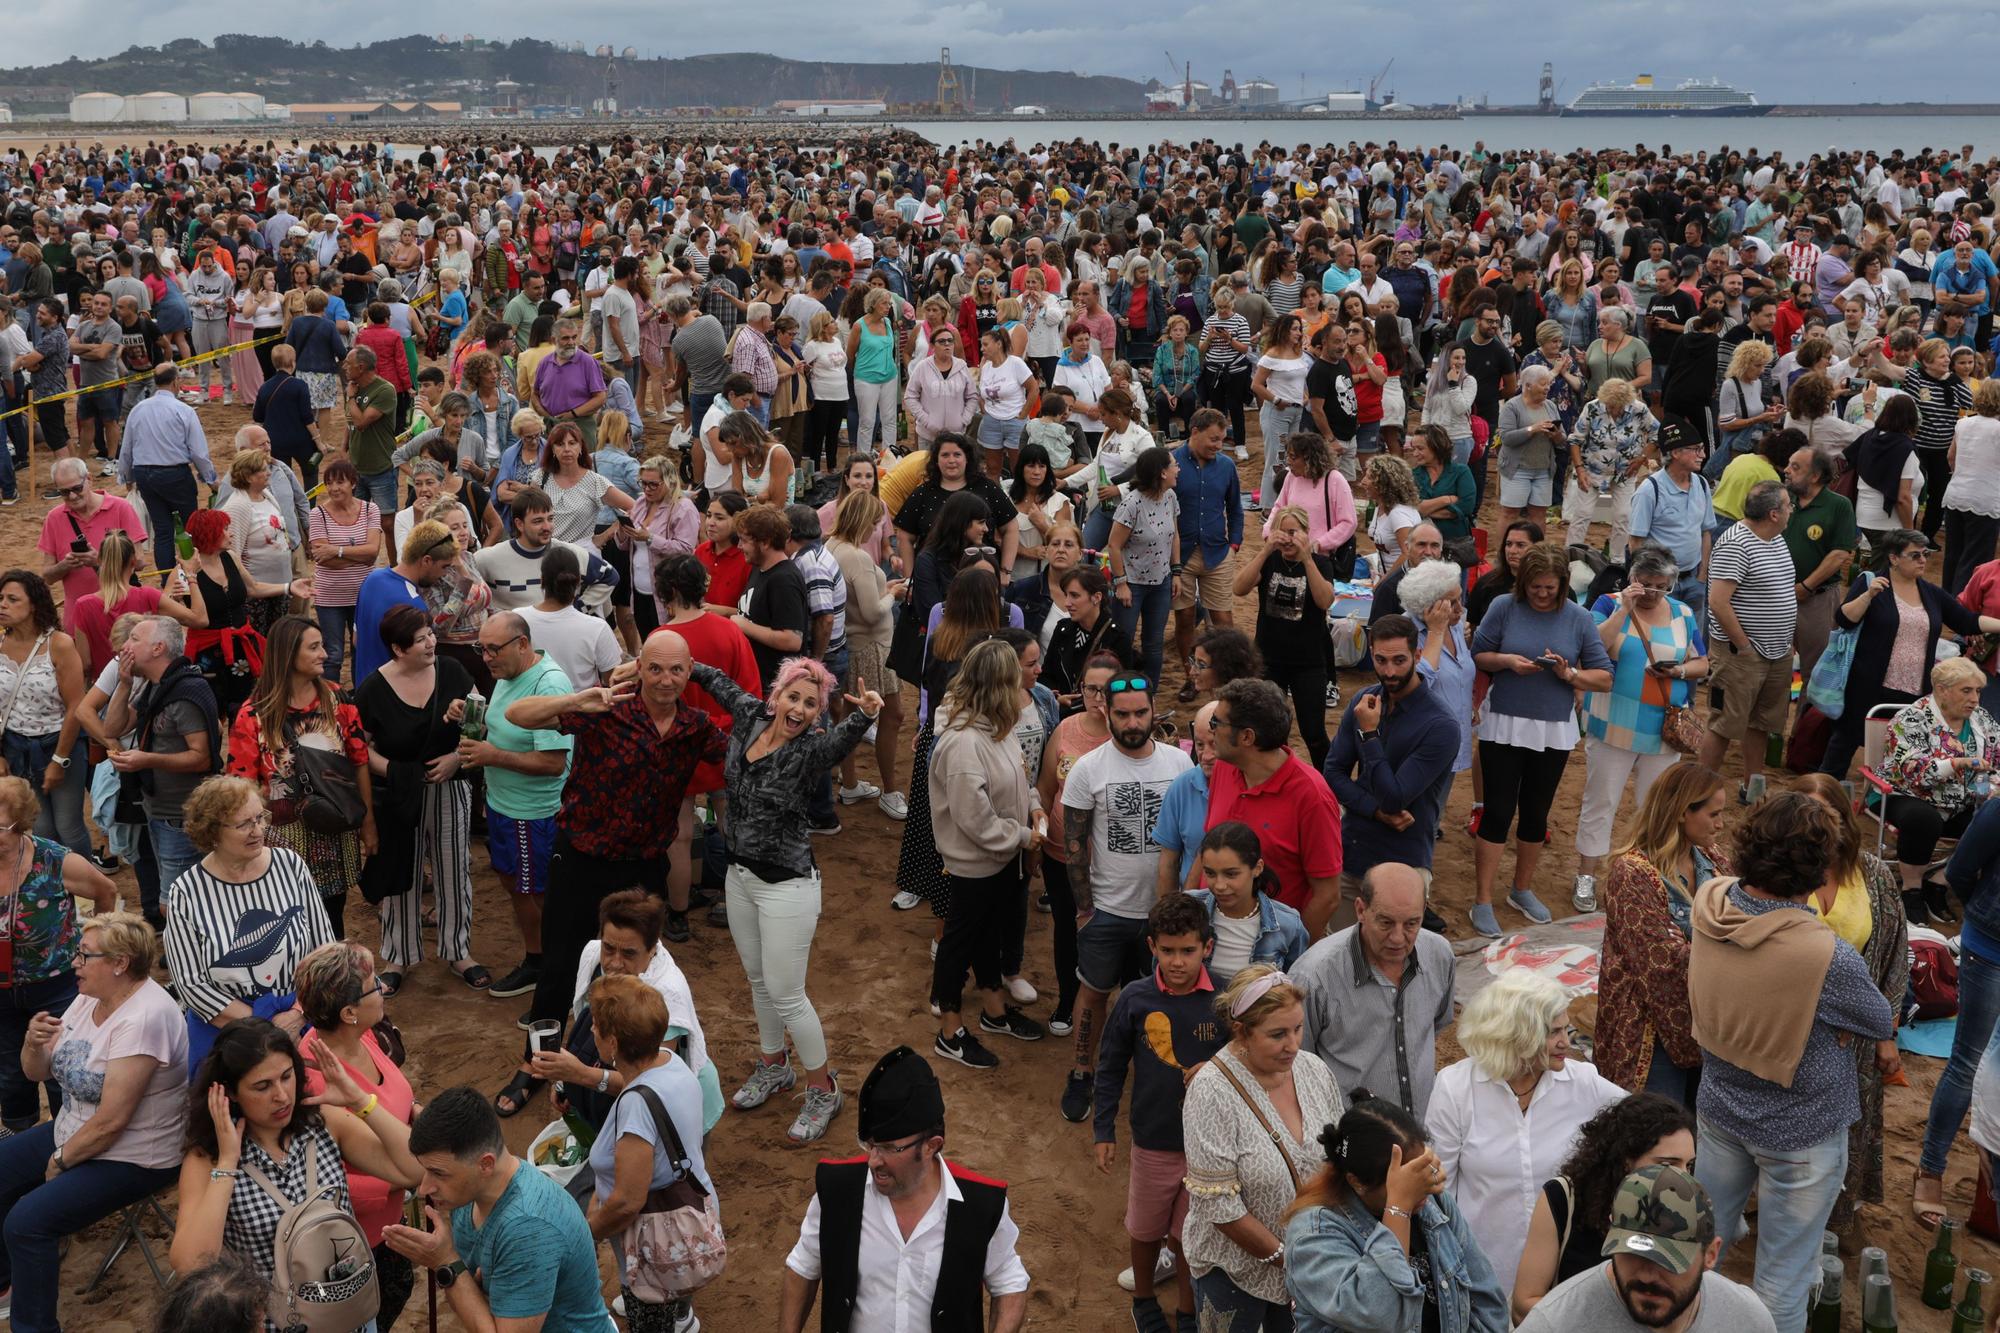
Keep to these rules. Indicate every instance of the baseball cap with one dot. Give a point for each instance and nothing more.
(1662, 1214)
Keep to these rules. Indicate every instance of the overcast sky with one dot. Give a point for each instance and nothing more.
(1832, 50)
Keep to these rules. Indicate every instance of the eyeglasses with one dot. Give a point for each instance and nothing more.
(891, 1149)
(495, 649)
(85, 953)
(252, 824)
(982, 550)
(1139, 683)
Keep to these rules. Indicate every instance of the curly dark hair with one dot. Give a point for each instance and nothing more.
(41, 604)
(1784, 845)
(1231, 655)
(1179, 914)
(1610, 1142)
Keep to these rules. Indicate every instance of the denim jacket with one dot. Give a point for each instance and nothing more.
(1974, 870)
(1348, 1274)
(1281, 933)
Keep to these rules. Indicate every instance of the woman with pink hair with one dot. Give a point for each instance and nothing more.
(778, 753)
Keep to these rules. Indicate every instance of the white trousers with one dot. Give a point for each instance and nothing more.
(1610, 768)
(1580, 507)
(773, 927)
(876, 406)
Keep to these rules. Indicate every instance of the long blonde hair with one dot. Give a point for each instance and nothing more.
(1656, 834)
(857, 516)
(986, 692)
(115, 559)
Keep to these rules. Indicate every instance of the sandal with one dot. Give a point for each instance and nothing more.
(520, 1090)
(1928, 1210)
(391, 982)
(1937, 896)
(475, 976)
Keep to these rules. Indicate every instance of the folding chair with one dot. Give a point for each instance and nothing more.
(1875, 748)
(130, 1232)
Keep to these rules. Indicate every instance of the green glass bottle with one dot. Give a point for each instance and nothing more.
(1970, 1316)
(1941, 1266)
(1826, 1308)
(183, 543)
(1878, 1305)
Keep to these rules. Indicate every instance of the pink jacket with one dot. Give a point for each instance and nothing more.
(1329, 506)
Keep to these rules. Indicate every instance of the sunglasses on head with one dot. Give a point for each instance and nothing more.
(1139, 683)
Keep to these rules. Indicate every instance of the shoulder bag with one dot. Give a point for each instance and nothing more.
(1680, 728)
(1277, 1139)
(675, 1246)
(329, 795)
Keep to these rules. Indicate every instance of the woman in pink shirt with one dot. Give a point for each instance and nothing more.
(861, 475)
(1312, 483)
(341, 998)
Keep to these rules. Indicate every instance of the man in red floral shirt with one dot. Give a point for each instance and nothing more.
(636, 752)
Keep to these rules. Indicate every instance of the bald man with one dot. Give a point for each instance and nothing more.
(1184, 812)
(1378, 991)
(636, 751)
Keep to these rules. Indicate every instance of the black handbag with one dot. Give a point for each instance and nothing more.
(328, 794)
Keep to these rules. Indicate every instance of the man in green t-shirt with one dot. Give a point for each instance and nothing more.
(527, 303)
(525, 770)
(371, 430)
(1821, 537)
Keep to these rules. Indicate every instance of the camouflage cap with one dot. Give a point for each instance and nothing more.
(1662, 1214)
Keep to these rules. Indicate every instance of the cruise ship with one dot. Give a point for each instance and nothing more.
(1694, 97)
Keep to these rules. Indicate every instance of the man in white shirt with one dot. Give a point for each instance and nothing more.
(877, 1232)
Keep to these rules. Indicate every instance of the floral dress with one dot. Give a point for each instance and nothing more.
(1611, 444)
(333, 858)
(1920, 741)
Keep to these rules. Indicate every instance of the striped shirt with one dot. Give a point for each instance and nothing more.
(340, 585)
(826, 592)
(229, 942)
(1222, 353)
(1764, 600)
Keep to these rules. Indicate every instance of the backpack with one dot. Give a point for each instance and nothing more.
(323, 1277)
(1933, 979)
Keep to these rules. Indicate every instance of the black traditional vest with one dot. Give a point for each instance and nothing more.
(958, 1303)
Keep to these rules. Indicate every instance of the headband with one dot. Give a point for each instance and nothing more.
(1257, 990)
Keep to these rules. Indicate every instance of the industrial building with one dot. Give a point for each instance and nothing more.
(1259, 92)
(831, 106)
(340, 113)
(226, 106)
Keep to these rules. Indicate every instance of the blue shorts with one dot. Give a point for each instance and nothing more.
(103, 404)
(520, 850)
(997, 434)
(1101, 946)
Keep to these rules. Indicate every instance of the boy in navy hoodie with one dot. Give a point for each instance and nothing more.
(1164, 1027)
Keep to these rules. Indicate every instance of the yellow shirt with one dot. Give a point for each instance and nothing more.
(524, 372)
(1743, 472)
(901, 480)
(1851, 918)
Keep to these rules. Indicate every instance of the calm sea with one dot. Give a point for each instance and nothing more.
(1794, 136)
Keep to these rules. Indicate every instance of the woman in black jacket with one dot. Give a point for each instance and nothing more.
(1900, 616)
(1039, 595)
(964, 523)
(1689, 386)
(1084, 632)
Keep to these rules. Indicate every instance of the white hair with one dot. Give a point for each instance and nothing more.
(1534, 375)
(1505, 1027)
(1427, 584)
(72, 470)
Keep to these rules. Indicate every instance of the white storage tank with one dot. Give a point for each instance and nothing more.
(1259, 92)
(276, 111)
(253, 104)
(96, 108)
(6, 113)
(219, 106)
(1346, 101)
(155, 106)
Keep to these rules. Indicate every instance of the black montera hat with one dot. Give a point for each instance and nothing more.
(900, 1097)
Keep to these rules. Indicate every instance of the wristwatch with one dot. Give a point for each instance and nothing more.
(60, 760)
(449, 1273)
(604, 1081)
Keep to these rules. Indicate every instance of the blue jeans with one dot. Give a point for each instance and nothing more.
(335, 622)
(698, 405)
(61, 816)
(381, 488)
(37, 1214)
(169, 493)
(1278, 422)
(1225, 1307)
(20, 1101)
(173, 853)
(1097, 529)
(1154, 602)
(1669, 1079)
(1796, 1191)
(1978, 1007)
(1689, 588)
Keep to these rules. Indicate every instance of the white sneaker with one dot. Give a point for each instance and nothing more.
(934, 945)
(860, 791)
(1242, 452)
(228, 397)
(1163, 1270)
(618, 1305)
(1021, 992)
(894, 804)
(904, 901)
(869, 735)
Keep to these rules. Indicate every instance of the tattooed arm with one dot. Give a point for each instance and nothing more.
(1076, 846)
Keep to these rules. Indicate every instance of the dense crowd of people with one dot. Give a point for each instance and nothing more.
(607, 504)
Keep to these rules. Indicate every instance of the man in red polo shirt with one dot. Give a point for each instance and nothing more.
(1259, 781)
